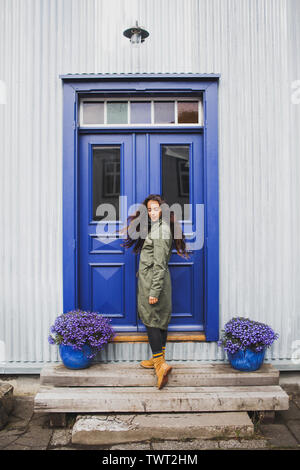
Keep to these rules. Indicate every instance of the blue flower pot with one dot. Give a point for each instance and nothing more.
(74, 358)
(247, 360)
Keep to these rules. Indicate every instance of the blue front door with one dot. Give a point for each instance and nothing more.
(134, 165)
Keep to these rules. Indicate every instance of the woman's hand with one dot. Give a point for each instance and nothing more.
(153, 300)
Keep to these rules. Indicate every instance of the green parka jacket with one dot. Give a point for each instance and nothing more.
(154, 276)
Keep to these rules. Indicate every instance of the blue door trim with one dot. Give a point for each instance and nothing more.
(152, 84)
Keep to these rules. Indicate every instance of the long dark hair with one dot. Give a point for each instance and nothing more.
(179, 242)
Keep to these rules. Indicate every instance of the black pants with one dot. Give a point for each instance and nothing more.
(157, 338)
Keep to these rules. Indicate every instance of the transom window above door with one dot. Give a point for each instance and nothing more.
(99, 112)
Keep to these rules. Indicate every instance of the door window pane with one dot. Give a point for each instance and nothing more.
(117, 112)
(176, 176)
(93, 112)
(187, 112)
(106, 180)
(164, 112)
(140, 112)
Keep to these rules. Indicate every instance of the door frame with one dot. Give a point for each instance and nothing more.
(75, 85)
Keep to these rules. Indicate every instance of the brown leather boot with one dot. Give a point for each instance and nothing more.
(162, 370)
(148, 363)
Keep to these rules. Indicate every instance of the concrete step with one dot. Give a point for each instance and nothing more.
(6, 402)
(131, 374)
(151, 399)
(114, 429)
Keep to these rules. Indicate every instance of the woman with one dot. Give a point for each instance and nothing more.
(154, 242)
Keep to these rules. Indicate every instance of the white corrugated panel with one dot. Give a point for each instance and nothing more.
(294, 137)
(253, 44)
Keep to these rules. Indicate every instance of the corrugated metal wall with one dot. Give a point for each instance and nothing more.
(254, 45)
(294, 138)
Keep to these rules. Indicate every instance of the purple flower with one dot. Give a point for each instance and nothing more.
(242, 333)
(78, 328)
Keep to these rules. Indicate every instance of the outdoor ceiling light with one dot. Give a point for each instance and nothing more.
(136, 34)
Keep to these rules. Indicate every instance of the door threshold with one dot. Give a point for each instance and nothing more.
(179, 336)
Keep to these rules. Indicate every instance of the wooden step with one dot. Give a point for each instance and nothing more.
(151, 399)
(132, 374)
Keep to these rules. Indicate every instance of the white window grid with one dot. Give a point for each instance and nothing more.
(111, 169)
(152, 100)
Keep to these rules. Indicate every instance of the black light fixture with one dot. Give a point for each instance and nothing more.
(136, 34)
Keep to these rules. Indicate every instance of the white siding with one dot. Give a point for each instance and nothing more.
(254, 45)
(294, 138)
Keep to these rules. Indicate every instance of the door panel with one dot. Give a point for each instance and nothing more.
(106, 270)
(123, 164)
(176, 171)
